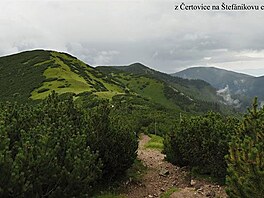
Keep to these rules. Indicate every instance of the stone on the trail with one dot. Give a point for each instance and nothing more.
(211, 193)
(193, 182)
(162, 190)
(164, 172)
(198, 186)
(150, 196)
(201, 191)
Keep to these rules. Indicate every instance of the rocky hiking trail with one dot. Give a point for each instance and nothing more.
(161, 177)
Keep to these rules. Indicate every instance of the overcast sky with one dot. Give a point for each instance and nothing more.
(121, 32)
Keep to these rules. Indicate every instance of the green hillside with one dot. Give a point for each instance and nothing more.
(189, 96)
(21, 73)
(191, 87)
(35, 74)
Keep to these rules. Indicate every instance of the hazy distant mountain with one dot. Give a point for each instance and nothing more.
(236, 88)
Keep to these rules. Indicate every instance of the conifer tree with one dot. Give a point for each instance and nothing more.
(246, 157)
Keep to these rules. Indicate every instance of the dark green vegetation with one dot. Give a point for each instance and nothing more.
(55, 149)
(19, 75)
(218, 146)
(241, 86)
(201, 142)
(246, 157)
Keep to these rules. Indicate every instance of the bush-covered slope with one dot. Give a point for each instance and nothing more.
(197, 89)
(189, 96)
(55, 149)
(22, 73)
(68, 74)
(34, 74)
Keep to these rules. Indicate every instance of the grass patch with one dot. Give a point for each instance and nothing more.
(169, 192)
(109, 195)
(78, 83)
(106, 94)
(67, 74)
(136, 172)
(156, 142)
(146, 87)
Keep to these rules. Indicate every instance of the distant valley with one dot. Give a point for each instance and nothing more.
(236, 89)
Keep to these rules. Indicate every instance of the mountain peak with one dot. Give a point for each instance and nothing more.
(137, 64)
(136, 68)
(211, 69)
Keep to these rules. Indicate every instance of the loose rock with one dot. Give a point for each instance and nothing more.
(164, 172)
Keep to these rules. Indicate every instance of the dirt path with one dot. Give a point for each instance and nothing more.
(162, 176)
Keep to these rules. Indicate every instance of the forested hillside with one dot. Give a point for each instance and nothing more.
(34, 74)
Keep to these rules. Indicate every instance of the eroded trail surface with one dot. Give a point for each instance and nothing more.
(162, 176)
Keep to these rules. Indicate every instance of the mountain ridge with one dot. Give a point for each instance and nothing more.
(239, 86)
(35, 74)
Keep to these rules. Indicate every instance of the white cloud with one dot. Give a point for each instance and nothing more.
(91, 55)
(225, 94)
(251, 54)
(120, 32)
(105, 57)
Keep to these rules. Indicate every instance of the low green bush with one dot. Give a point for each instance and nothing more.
(113, 139)
(55, 150)
(43, 90)
(201, 142)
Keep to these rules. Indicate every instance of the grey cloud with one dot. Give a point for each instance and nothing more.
(91, 55)
(105, 32)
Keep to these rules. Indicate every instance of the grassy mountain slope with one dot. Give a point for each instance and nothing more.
(35, 74)
(149, 88)
(166, 91)
(197, 89)
(69, 74)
